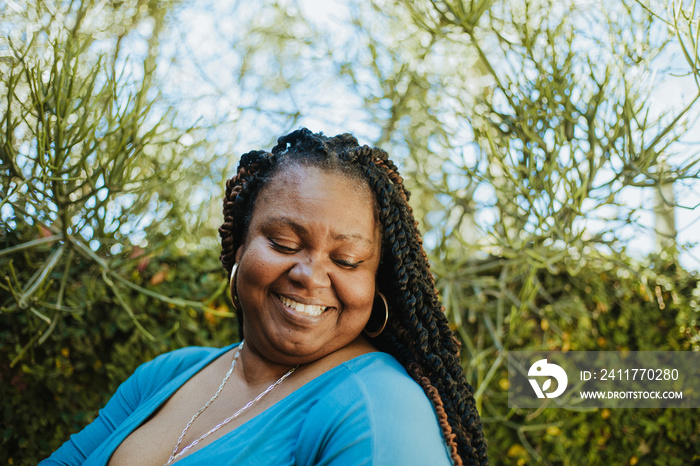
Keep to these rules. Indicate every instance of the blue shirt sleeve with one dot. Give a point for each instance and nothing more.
(146, 380)
(377, 418)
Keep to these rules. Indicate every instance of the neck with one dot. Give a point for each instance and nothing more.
(256, 370)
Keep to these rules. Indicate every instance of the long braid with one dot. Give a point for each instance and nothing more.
(443, 418)
(438, 326)
(239, 190)
(429, 332)
(418, 333)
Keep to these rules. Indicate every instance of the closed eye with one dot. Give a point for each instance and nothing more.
(347, 264)
(282, 248)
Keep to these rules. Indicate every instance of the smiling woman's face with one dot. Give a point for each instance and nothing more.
(307, 267)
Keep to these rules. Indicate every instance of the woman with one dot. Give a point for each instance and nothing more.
(336, 308)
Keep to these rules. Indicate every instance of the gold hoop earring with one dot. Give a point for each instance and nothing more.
(232, 285)
(386, 319)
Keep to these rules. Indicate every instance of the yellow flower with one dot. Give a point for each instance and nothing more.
(517, 450)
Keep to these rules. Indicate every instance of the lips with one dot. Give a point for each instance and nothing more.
(306, 309)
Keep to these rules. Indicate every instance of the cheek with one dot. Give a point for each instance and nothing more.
(357, 293)
(259, 266)
(255, 274)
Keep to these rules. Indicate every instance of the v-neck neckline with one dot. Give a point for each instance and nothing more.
(146, 409)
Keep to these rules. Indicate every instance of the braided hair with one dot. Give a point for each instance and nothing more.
(417, 334)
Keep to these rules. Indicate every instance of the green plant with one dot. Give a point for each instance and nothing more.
(90, 182)
(522, 128)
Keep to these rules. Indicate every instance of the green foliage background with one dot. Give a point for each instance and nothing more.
(109, 194)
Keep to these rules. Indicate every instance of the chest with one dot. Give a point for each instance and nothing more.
(271, 437)
(193, 420)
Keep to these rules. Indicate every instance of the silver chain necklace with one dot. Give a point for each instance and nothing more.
(175, 454)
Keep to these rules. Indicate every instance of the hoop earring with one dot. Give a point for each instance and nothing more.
(386, 319)
(232, 285)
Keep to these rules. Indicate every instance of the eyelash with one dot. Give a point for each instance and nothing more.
(284, 249)
(288, 250)
(351, 265)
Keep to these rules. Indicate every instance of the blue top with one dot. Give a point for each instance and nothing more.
(366, 411)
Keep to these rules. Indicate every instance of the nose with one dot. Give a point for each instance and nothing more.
(310, 273)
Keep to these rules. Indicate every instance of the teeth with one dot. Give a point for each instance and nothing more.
(307, 309)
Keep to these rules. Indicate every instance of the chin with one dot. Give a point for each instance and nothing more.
(292, 351)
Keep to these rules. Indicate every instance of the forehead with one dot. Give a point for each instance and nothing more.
(319, 195)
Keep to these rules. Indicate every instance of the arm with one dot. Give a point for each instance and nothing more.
(120, 406)
(147, 380)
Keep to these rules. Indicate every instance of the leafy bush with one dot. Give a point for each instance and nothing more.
(56, 387)
(603, 307)
(92, 166)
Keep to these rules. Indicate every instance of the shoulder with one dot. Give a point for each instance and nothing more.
(381, 382)
(382, 412)
(151, 375)
(180, 358)
(391, 396)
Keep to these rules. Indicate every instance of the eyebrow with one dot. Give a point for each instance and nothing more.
(302, 230)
